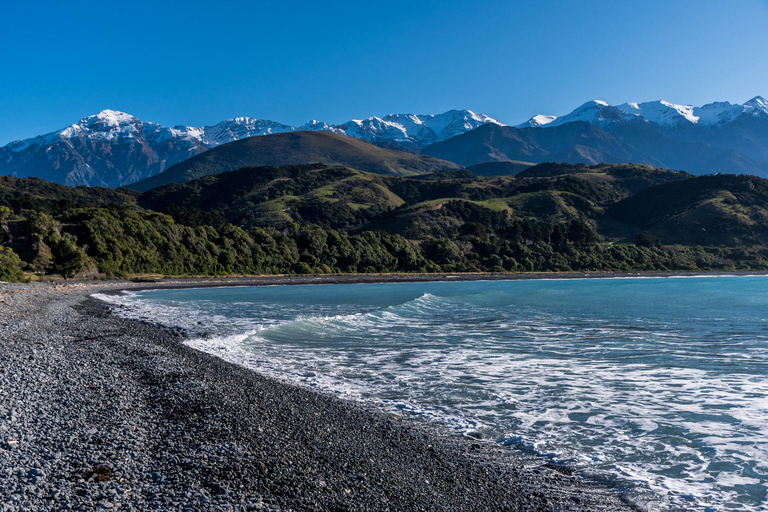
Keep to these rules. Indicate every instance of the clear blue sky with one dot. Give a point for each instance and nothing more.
(198, 63)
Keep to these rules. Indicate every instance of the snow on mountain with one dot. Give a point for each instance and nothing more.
(537, 121)
(590, 112)
(455, 122)
(240, 128)
(320, 126)
(375, 129)
(113, 148)
(660, 112)
(758, 105)
(413, 130)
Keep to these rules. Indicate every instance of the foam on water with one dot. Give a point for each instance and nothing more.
(657, 386)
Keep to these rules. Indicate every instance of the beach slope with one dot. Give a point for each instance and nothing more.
(102, 412)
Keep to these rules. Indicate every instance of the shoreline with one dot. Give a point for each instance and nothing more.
(185, 428)
(286, 280)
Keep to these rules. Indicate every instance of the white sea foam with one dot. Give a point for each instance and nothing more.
(675, 404)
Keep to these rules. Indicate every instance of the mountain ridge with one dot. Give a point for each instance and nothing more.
(296, 148)
(659, 112)
(718, 137)
(113, 148)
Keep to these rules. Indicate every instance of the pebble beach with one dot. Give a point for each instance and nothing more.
(102, 412)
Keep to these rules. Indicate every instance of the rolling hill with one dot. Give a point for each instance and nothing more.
(414, 206)
(724, 210)
(296, 148)
(315, 218)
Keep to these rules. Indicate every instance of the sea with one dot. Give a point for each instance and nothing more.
(657, 387)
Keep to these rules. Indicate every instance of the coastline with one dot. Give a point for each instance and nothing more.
(284, 280)
(82, 389)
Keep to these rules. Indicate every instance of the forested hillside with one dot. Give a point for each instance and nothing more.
(323, 219)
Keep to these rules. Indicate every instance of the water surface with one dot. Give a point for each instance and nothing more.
(658, 386)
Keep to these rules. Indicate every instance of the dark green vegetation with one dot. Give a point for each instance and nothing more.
(329, 219)
(296, 148)
(500, 168)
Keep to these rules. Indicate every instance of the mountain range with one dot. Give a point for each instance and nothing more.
(114, 148)
(716, 138)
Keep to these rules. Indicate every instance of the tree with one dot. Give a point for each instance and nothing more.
(10, 266)
(647, 239)
(68, 258)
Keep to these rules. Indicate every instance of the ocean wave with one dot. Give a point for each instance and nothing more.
(670, 403)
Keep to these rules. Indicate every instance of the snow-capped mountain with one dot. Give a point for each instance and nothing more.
(107, 149)
(414, 131)
(240, 128)
(660, 112)
(717, 137)
(113, 148)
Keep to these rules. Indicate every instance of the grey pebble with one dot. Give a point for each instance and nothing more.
(99, 411)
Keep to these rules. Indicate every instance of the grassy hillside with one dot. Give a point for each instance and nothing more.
(724, 210)
(337, 197)
(324, 219)
(296, 148)
(416, 207)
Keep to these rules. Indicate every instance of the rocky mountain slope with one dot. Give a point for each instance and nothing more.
(718, 137)
(114, 148)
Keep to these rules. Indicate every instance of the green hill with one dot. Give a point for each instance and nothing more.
(724, 210)
(296, 148)
(316, 218)
(37, 194)
(338, 197)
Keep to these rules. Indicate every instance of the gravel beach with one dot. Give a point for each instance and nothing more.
(102, 412)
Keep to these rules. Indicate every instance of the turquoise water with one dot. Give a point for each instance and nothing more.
(658, 386)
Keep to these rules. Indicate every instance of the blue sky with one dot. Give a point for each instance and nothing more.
(198, 63)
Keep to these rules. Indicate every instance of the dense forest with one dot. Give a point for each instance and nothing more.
(316, 219)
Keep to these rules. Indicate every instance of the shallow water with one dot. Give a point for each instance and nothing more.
(658, 386)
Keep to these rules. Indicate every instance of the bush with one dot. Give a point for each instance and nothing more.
(647, 239)
(10, 266)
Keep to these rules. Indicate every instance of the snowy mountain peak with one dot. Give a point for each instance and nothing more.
(592, 112)
(758, 103)
(661, 112)
(106, 125)
(537, 121)
(414, 130)
(111, 118)
(113, 148)
(240, 128)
